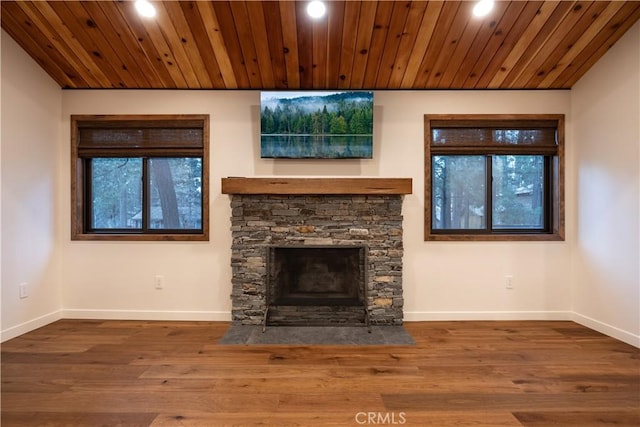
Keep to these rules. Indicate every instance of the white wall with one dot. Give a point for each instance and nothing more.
(31, 108)
(606, 111)
(461, 280)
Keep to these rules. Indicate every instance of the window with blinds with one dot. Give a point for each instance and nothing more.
(140, 177)
(494, 177)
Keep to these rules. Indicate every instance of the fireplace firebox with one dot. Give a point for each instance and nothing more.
(316, 275)
(313, 284)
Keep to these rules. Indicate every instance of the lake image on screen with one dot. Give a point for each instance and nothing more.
(316, 125)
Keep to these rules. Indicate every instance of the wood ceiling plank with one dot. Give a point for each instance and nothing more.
(203, 48)
(243, 28)
(419, 49)
(564, 34)
(320, 35)
(290, 42)
(142, 49)
(169, 60)
(366, 21)
(495, 44)
(395, 35)
(436, 44)
(471, 46)
(408, 40)
(350, 30)
(624, 19)
(578, 46)
(378, 38)
(258, 28)
(455, 32)
(230, 36)
(524, 33)
(335, 15)
(178, 36)
(76, 19)
(215, 40)
(41, 14)
(118, 34)
(276, 44)
(532, 41)
(305, 47)
(360, 44)
(486, 71)
(19, 27)
(552, 62)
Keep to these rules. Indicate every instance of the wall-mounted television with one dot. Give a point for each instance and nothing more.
(316, 125)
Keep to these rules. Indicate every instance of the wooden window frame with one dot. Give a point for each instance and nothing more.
(555, 194)
(79, 229)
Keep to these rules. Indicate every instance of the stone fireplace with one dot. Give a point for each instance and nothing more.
(316, 251)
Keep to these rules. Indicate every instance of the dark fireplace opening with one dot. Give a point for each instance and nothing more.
(316, 275)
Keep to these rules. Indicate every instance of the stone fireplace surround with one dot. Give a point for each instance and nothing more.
(316, 212)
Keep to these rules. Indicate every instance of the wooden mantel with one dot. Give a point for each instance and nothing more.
(318, 186)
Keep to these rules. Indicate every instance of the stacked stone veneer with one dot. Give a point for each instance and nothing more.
(260, 221)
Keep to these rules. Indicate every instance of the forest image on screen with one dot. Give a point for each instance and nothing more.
(316, 125)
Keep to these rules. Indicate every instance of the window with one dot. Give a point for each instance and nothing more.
(140, 177)
(494, 177)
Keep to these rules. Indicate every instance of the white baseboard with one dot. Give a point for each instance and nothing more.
(420, 316)
(222, 316)
(606, 329)
(29, 326)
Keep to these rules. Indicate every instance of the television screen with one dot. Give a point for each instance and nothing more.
(316, 125)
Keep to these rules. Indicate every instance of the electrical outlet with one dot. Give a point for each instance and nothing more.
(508, 282)
(24, 292)
(158, 282)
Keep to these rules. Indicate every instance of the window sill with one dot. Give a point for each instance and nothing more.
(142, 237)
(553, 237)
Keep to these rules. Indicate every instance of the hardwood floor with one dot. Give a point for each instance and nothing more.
(138, 373)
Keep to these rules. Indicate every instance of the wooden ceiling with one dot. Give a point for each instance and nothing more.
(359, 44)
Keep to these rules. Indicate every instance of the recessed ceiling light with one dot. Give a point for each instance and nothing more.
(316, 9)
(145, 8)
(482, 8)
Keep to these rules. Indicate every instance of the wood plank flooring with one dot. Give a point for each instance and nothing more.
(139, 373)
